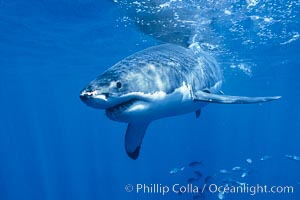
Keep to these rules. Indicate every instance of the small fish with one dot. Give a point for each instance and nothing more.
(244, 174)
(237, 168)
(266, 157)
(249, 160)
(230, 182)
(176, 170)
(199, 174)
(223, 171)
(192, 180)
(240, 183)
(195, 163)
(293, 157)
(208, 179)
(221, 195)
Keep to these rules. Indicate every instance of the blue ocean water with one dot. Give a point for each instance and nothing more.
(52, 146)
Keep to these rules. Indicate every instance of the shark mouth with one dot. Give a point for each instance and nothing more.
(119, 108)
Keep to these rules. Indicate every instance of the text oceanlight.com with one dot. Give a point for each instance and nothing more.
(211, 188)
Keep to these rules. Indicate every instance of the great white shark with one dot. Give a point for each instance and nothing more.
(161, 81)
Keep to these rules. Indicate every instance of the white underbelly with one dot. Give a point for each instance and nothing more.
(160, 105)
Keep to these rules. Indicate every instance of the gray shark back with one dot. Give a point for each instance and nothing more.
(171, 64)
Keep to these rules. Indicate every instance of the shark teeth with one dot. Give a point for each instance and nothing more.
(89, 93)
(117, 109)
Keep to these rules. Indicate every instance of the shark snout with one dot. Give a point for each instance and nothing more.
(84, 97)
(90, 94)
(95, 98)
(87, 94)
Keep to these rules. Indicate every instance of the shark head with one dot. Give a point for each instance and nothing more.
(124, 93)
(105, 92)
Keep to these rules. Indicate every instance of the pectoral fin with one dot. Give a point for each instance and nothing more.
(134, 138)
(225, 99)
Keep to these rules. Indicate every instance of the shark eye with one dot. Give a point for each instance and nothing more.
(119, 84)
